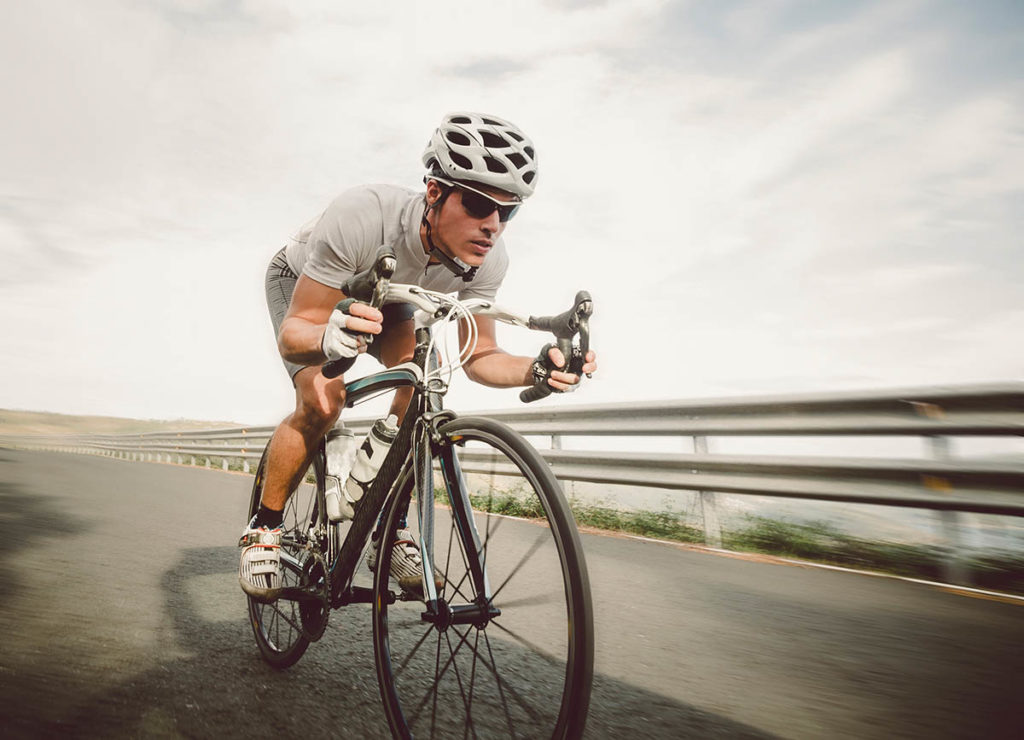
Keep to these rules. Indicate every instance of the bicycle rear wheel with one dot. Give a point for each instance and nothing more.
(526, 672)
(284, 628)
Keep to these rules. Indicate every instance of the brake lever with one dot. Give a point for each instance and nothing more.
(576, 321)
(371, 286)
(583, 310)
(565, 327)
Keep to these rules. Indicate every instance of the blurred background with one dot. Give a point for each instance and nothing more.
(761, 196)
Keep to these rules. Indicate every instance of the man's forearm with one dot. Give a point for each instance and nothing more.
(500, 370)
(299, 342)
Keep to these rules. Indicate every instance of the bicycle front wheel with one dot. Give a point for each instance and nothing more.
(526, 669)
(283, 628)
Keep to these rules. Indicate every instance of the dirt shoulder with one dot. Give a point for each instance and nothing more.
(23, 423)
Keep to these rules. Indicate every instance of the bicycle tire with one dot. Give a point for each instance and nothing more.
(525, 673)
(284, 628)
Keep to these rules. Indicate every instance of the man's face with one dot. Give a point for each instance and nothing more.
(459, 233)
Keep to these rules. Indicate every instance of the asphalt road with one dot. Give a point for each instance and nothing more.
(121, 616)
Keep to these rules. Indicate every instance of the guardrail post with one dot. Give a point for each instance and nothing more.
(954, 566)
(708, 502)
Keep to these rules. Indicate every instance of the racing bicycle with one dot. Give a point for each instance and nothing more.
(496, 639)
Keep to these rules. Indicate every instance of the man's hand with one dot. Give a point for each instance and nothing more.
(546, 367)
(344, 333)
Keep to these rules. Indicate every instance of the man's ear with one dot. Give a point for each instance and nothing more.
(433, 192)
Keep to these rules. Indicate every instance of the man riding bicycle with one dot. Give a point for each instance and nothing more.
(480, 168)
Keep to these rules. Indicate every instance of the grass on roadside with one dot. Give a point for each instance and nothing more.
(823, 542)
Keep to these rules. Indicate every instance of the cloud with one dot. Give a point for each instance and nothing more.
(759, 195)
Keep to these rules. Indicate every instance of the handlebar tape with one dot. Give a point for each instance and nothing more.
(334, 368)
(536, 392)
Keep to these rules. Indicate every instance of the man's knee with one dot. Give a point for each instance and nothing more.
(319, 401)
(397, 343)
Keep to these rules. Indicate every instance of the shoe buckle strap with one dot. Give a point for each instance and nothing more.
(259, 539)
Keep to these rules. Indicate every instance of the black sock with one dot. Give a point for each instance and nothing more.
(269, 518)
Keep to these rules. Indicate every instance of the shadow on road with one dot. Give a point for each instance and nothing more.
(28, 518)
(220, 687)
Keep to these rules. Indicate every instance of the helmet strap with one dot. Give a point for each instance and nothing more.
(460, 269)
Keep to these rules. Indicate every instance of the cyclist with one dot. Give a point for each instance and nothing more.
(480, 168)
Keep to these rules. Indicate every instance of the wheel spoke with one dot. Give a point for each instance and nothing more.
(415, 649)
(280, 615)
(538, 600)
(448, 556)
(522, 561)
(472, 685)
(541, 652)
(500, 682)
(439, 674)
(458, 678)
(457, 588)
(433, 715)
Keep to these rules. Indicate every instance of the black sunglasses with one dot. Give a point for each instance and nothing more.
(481, 206)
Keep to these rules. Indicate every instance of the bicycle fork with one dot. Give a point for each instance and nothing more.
(427, 443)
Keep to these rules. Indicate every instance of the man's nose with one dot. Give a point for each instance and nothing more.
(491, 224)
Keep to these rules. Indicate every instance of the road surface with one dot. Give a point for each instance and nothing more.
(121, 616)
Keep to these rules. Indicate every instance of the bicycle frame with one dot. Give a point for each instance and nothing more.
(417, 440)
(424, 413)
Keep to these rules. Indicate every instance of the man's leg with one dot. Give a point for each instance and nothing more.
(318, 402)
(397, 344)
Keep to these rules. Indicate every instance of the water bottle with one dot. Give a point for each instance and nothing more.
(341, 447)
(370, 457)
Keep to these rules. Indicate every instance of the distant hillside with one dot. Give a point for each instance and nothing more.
(38, 422)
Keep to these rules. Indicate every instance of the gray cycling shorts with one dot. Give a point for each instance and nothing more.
(280, 285)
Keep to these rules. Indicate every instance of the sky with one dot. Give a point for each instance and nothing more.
(762, 197)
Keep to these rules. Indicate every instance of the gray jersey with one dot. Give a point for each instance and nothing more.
(343, 241)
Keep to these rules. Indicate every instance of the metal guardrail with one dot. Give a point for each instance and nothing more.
(943, 483)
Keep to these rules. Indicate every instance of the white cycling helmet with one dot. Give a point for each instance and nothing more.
(483, 149)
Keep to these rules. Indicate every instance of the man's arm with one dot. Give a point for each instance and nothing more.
(492, 366)
(302, 330)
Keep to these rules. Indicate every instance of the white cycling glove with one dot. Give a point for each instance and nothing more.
(337, 342)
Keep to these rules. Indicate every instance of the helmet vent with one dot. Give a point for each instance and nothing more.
(462, 161)
(456, 137)
(460, 119)
(529, 151)
(493, 141)
(514, 135)
(494, 165)
(528, 176)
(517, 159)
(492, 122)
